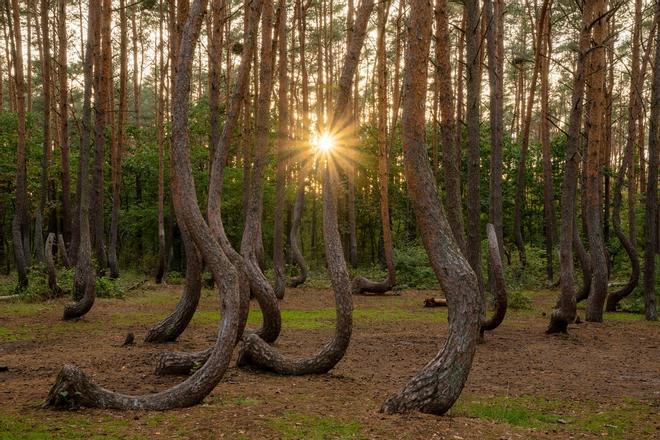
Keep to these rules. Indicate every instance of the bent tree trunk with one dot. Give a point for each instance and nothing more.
(499, 286)
(270, 329)
(84, 281)
(614, 297)
(436, 387)
(565, 310)
(255, 351)
(585, 263)
(172, 326)
(73, 387)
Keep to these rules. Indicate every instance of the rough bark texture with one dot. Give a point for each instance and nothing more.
(362, 284)
(160, 139)
(62, 252)
(564, 312)
(495, 52)
(437, 386)
(255, 351)
(74, 388)
(499, 286)
(651, 222)
(117, 144)
(282, 139)
(294, 233)
(84, 281)
(251, 240)
(595, 118)
(63, 106)
(472, 43)
(19, 222)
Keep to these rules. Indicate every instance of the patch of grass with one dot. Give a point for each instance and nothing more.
(534, 412)
(26, 427)
(22, 309)
(293, 425)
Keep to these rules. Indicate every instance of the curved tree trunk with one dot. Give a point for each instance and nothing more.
(62, 252)
(251, 240)
(436, 387)
(84, 281)
(270, 329)
(569, 240)
(626, 168)
(172, 326)
(499, 286)
(73, 387)
(362, 284)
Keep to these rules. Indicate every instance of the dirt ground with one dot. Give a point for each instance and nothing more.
(601, 381)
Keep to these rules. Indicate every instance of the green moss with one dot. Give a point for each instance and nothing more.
(293, 425)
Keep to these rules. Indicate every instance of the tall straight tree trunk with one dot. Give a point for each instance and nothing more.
(63, 119)
(472, 40)
(84, 281)
(438, 385)
(546, 148)
(102, 74)
(522, 167)
(216, 38)
(19, 223)
(282, 140)
(565, 310)
(651, 221)
(450, 161)
(595, 149)
(45, 159)
(117, 144)
(160, 139)
(136, 67)
(361, 284)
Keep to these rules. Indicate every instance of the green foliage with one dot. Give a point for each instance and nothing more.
(413, 269)
(108, 288)
(174, 277)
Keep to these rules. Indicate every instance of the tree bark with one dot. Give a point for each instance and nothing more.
(84, 281)
(499, 285)
(55, 290)
(651, 221)
(63, 119)
(160, 139)
(19, 222)
(255, 351)
(596, 92)
(437, 386)
(472, 42)
(117, 144)
(73, 387)
(282, 140)
(569, 240)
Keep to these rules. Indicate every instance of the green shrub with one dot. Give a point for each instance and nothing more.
(413, 269)
(108, 288)
(174, 277)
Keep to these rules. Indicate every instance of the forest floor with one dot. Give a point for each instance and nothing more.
(603, 380)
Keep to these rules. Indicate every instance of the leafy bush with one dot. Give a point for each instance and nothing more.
(413, 269)
(174, 277)
(108, 288)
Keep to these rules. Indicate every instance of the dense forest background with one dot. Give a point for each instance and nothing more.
(539, 46)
